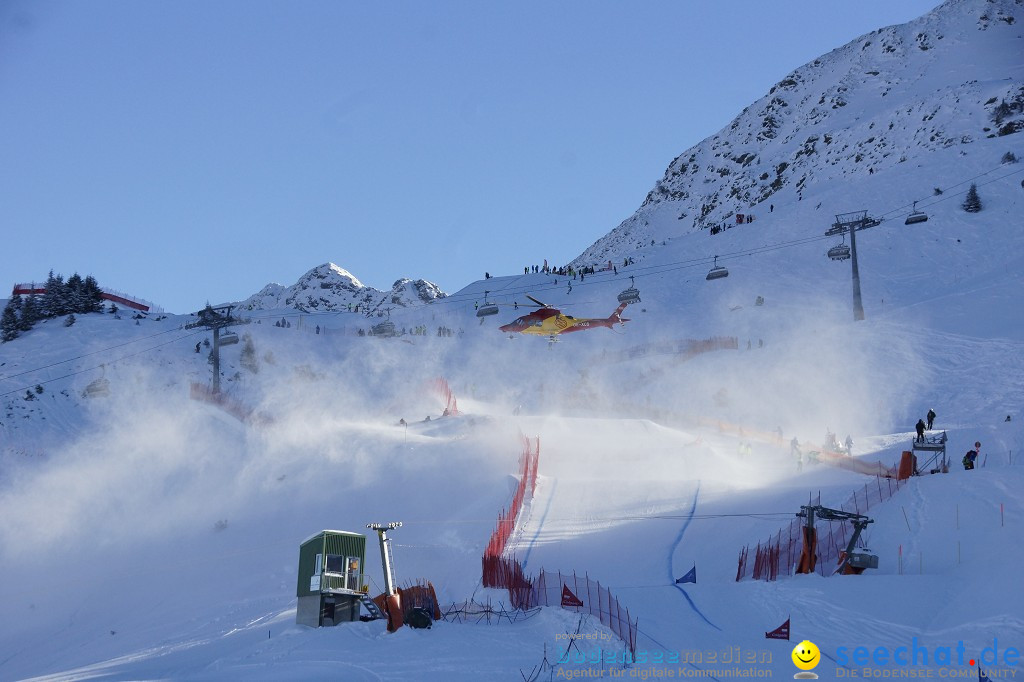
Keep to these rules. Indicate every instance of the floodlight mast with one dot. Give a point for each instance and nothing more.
(385, 553)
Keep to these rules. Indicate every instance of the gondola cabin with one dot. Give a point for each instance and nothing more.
(331, 579)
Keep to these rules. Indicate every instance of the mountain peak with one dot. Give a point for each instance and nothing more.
(331, 288)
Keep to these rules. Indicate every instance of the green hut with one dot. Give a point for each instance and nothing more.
(331, 575)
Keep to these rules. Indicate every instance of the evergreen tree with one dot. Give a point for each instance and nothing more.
(75, 294)
(16, 303)
(248, 355)
(93, 295)
(54, 303)
(972, 203)
(29, 313)
(9, 322)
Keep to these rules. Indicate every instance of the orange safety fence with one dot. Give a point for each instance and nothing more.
(567, 591)
(451, 405)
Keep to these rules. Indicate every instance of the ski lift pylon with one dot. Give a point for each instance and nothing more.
(717, 271)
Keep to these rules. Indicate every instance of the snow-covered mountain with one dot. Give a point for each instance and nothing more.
(887, 100)
(330, 288)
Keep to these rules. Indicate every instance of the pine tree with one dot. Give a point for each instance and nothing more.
(972, 203)
(9, 322)
(75, 295)
(29, 314)
(54, 303)
(93, 295)
(248, 355)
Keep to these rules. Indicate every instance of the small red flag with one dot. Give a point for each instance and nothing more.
(781, 632)
(570, 599)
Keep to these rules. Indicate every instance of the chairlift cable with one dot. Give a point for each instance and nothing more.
(85, 355)
(107, 363)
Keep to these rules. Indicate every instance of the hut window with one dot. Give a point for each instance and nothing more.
(335, 563)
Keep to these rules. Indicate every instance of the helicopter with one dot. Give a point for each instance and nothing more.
(549, 321)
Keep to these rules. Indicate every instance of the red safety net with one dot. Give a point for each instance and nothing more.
(451, 405)
(568, 591)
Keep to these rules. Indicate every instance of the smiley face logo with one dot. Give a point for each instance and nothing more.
(806, 655)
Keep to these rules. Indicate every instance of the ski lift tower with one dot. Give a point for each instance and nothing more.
(392, 600)
(851, 562)
(216, 319)
(851, 222)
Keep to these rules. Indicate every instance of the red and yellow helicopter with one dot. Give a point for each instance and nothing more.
(549, 321)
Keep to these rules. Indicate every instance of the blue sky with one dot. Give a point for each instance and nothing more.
(191, 151)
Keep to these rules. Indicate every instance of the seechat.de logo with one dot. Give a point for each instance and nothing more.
(806, 656)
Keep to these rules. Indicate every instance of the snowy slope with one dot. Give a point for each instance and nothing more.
(146, 535)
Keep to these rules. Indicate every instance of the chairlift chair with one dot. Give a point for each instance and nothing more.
(916, 216)
(386, 328)
(630, 295)
(228, 338)
(97, 387)
(839, 252)
(717, 271)
(487, 309)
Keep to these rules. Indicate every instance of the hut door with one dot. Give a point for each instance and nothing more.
(352, 573)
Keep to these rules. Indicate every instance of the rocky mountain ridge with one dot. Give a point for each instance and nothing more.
(331, 288)
(893, 96)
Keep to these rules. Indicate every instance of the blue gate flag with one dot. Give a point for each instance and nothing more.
(690, 577)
